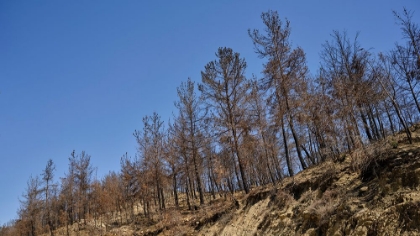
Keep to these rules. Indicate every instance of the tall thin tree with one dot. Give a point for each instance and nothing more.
(226, 91)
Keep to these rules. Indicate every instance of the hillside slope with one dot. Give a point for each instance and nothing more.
(374, 191)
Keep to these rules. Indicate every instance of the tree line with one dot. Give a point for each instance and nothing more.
(231, 133)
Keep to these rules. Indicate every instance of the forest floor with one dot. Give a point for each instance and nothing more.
(372, 191)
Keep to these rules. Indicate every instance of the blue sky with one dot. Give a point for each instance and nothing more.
(82, 74)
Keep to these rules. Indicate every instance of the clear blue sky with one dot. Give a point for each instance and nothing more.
(82, 74)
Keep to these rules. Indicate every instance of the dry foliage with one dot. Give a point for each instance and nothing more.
(321, 209)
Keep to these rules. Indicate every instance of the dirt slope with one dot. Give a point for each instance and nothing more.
(374, 191)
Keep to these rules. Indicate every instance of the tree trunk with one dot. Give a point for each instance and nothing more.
(286, 150)
(413, 93)
(197, 177)
(296, 139)
(175, 190)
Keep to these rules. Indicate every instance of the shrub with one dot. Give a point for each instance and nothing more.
(321, 210)
(394, 145)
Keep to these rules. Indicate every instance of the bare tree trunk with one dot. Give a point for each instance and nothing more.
(365, 125)
(391, 123)
(286, 150)
(197, 176)
(240, 162)
(174, 182)
(187, 194)
(296, 139)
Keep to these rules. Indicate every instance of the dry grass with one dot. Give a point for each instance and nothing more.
(367, 155)
(320, 210)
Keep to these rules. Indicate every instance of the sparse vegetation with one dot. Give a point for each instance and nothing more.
(229, 162)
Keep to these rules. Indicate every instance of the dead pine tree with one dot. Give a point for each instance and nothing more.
(226, 92)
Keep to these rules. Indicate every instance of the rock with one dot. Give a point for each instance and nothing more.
(364, 189)
(310, 232)
(361, 230)
(311, 216)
